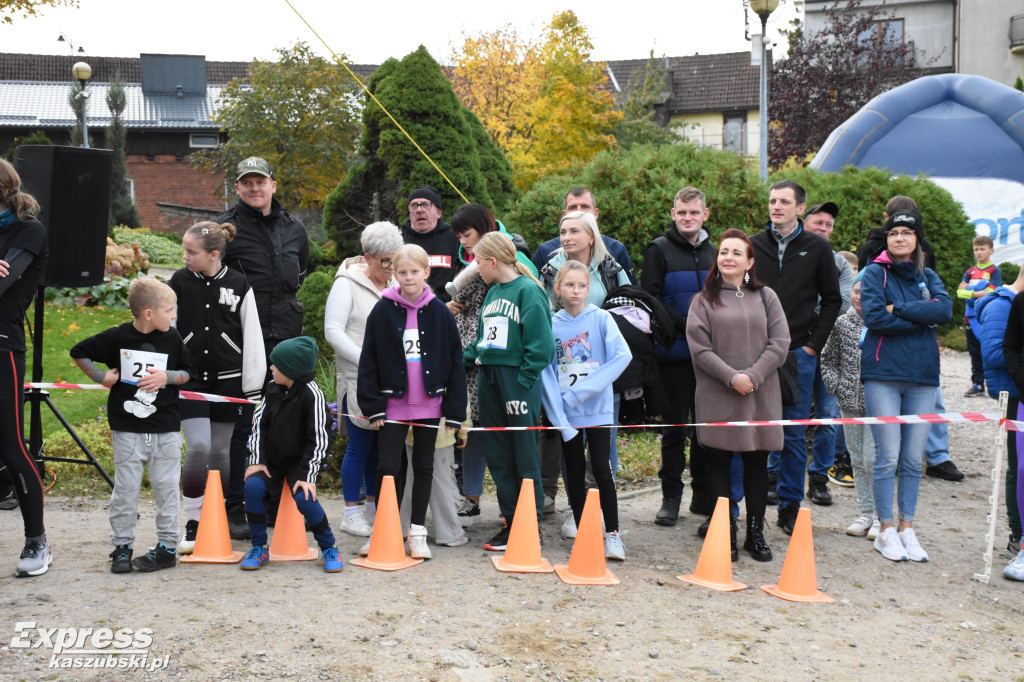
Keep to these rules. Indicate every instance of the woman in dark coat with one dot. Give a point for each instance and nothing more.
(738, 339)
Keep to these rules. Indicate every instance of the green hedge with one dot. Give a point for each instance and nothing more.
(634, 191)
(162, 249)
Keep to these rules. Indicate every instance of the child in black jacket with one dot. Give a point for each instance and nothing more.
(288, 443)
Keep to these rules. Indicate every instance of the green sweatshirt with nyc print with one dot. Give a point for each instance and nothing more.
(514, 330)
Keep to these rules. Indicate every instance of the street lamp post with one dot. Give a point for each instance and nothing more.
(763, 9)
(82, 73)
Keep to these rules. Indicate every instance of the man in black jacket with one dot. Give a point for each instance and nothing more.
(271, 248)
(675, 266)
(799, 266)
(426, 228)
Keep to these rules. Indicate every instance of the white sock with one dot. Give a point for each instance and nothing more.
(351, 511)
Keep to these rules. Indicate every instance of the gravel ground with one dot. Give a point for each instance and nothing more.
(455, 617)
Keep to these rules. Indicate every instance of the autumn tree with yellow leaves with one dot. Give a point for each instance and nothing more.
(544, 104)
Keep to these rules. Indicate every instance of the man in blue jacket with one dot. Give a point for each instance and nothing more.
(675, 266)
(799, 266)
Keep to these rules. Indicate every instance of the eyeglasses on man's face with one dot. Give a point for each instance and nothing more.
(420, 205)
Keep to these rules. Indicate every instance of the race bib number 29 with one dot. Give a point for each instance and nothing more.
(495, 333)
(134, 364)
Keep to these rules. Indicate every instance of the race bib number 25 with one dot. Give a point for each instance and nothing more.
(134, 364)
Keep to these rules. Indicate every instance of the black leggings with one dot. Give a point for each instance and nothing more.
(391, 461)
(598, 441)
(28, 487)
(755, 477)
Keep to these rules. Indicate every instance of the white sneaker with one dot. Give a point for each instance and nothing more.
(356, 525)
(549, 505)
(569, 527)
(861, 525)
(910, 543)
(613, 548)
(365, 549)
(417, 542)
(875, 529)
(1015, 569)
(888, 544)
(455, 543)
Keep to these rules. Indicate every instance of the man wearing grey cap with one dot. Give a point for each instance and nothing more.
(271, 248)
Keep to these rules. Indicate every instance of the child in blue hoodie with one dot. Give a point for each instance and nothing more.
(410, 322)
(590, 354)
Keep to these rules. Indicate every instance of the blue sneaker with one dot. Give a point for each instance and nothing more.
(1015, 571)
(330, 560)
(255, 558)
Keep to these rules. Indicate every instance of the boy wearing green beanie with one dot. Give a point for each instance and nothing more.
(289, 441)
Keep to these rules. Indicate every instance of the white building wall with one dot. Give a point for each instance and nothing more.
(984, 40)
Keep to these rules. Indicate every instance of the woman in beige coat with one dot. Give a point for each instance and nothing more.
(738, 339)
(357, 288)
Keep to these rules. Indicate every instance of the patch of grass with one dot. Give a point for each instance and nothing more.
(639, 455)
(953, 337)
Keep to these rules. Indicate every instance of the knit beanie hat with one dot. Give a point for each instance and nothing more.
(910, 219)
(426, 192)
(295, 358)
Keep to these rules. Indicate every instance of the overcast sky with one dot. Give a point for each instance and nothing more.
(370, 32)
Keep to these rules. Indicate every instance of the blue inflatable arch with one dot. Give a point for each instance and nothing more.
(950, 125)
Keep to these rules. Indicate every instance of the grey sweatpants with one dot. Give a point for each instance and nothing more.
(133, 452)
(444, 497)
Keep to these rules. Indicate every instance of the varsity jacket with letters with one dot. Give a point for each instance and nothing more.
(220, 326)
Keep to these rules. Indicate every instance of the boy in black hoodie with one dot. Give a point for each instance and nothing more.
(289, 441)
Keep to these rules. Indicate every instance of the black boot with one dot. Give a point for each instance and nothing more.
(238, 525)
(702, 529)
(773, 484)
(817, 490)
(755, 544)
(669, 511)
(732, 538)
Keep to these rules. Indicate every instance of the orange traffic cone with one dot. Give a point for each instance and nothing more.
(522, 554)
(586, 563)
(387, 551)
(213, 542)
(289, 541)
(714, 566)
(799, 581)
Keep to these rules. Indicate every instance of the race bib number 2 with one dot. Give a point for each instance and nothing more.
(411, 345)
(134, 364)
(495, 333)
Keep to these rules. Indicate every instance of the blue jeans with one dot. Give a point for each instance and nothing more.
(735, 484)
(257, 489)
(474, 464)
(792, 460)
(359, 464)
(899, 446)
(937, 450)
(824, 448)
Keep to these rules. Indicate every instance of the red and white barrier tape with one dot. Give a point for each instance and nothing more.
(943, 418)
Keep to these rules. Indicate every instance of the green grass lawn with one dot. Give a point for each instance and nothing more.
(64, 326)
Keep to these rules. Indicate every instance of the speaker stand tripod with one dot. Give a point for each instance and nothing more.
(38, 397)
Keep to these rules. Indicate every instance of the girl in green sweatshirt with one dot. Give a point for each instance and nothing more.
(513, 345)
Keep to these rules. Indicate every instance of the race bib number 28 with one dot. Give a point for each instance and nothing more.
(495, 333)
(134, 364)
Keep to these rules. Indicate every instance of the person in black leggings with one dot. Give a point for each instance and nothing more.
(24, 250)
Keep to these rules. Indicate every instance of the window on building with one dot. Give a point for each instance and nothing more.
(131, 188)
(734, 135)
(202, 140)
(887, 32)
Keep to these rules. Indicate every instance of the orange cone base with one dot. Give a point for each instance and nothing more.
(230, 558)
(817, 598)
(213, 543)
(311, 555)
(500, 563)
(380, 566)
(562, 571)
(731, 586)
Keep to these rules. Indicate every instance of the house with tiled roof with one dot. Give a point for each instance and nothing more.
(709, 99)
(169, 114)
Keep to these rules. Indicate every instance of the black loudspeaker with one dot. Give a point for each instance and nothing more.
(72, 186)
